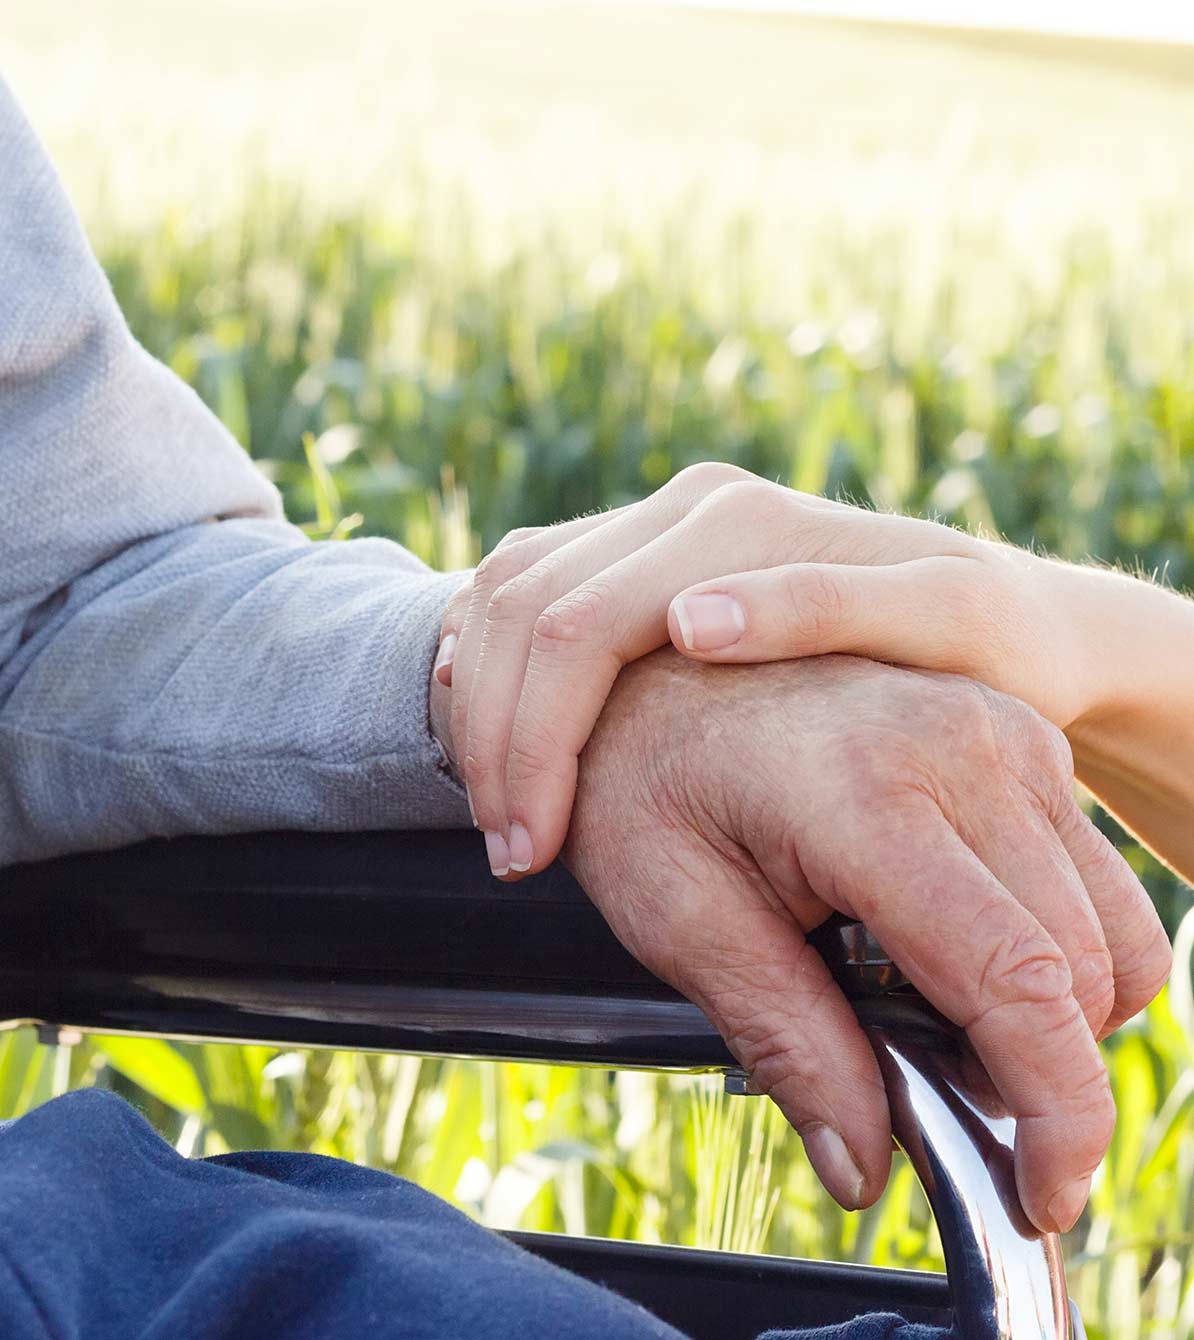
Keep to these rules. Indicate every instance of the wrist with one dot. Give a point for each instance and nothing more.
(1075, 620)
(1138, 640)
(1042, 642)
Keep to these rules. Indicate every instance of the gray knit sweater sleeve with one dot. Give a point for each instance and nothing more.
(174, 656)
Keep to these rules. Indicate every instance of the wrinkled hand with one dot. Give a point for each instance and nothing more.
(533, 645)
(722, 812)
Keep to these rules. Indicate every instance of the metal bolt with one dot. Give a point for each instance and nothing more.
(54, 1035)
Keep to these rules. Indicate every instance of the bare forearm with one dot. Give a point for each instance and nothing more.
(1134, 741)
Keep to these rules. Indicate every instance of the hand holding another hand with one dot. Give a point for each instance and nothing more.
(722, 813)
(533, 645)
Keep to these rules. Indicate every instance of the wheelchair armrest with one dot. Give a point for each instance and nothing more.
(405, 942)
(392, 941)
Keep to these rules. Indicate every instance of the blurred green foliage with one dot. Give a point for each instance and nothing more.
(386, 375)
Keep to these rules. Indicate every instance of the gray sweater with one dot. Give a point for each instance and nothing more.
(174, 656)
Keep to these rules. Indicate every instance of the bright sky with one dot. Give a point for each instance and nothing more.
(1158, 20)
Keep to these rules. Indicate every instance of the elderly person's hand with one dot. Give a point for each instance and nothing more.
(722, 812)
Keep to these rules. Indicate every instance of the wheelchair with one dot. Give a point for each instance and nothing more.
(403, 942)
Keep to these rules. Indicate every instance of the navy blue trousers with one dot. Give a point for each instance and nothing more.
(107, 1234)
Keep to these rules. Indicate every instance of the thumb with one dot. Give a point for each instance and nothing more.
(788, 1024)
(924, 613)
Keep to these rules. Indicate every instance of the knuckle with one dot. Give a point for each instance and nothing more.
(1024, 968)
(1098, 858)
(773, 1062)
(1158, 964)
(1049, 747)
(757, 499)
(962, 722)
(976, 708)
(695, 482)
(763, 1042)
(516, 601)
(1142, 959)
(500, 566)
(740, 989)
(817, 604)
(578, 620)
(881, 773)
(786, 525)
(1088, 1096)
(474, 768)
(483, 765)
(520, 535)
(1037, 749)
(1142, 981)
(1094, 985)
(532, 749)
(482, 747)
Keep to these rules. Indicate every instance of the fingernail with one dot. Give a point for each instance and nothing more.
(522, 850)
(831, 1159)
(1067, 1205)
(468, 795)
(444, 658)
(710, 622)
(498, 853)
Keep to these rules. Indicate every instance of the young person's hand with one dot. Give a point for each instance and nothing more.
(533, 645)
(724, 811)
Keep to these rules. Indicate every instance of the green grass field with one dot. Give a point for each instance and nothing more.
(499, 264)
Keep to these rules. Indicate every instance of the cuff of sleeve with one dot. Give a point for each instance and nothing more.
(426, 616)
(235, 678)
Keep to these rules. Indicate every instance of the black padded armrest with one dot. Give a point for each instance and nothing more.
(400, 941)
